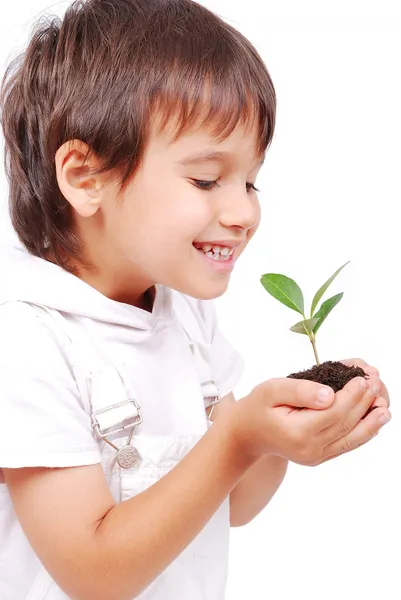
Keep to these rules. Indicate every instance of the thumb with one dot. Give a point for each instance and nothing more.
(325, 397)
(301, 393)
(314, 395)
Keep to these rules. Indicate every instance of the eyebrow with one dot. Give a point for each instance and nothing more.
(208, 156)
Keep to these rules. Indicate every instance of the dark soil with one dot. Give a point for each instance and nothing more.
(334, 374)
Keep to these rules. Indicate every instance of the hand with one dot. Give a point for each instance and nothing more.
(370, 371)
(305, 422)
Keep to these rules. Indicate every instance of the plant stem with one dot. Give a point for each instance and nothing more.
(313, 342)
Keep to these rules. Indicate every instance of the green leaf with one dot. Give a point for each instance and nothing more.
(304, 327)
(285, 290)
(324, 287)
(325, 309)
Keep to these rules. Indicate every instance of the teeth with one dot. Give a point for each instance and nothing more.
(217, 249)
(216, 256)
(216, 252)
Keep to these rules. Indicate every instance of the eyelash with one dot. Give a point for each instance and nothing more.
(213, 184)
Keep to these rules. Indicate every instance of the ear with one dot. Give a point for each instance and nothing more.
(79, 186)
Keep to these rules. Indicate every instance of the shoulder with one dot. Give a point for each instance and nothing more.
(29, 333)
(40, 392)
(13, 312)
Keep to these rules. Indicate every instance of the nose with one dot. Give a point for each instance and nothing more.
(240, 209)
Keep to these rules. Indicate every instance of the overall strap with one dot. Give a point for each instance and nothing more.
(202, 357)
(113, 409)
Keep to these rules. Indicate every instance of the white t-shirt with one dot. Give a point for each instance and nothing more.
(56, 334)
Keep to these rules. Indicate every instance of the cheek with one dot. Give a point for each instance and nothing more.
(258, 211)
(253, 230)
(258, 215)
(184, 212)
(162, 211)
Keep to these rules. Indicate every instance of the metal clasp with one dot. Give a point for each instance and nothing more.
(103, 433)
(127, 456)
(211, 401)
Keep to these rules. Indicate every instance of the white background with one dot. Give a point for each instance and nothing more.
(330, 193)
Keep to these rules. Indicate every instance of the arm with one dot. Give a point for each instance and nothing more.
(261, 481)
(96, 549)
(256, 489)
(118, 550)
(258, 485)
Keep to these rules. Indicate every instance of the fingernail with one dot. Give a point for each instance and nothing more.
(385, 418)
(324, 394)
(375, 390)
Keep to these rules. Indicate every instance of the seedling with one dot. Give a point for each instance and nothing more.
(332, 373)
(289, 293)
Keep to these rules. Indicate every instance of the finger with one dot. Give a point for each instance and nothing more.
(350, 417)
(345, 400)
(371, 371)
(350, 405)
(358, 362)
(299, 393)
(355, 362)
(383, 395)
(362, 433)
(380, 403)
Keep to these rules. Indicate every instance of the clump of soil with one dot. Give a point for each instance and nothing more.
(332, 373)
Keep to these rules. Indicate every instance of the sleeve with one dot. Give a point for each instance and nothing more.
(43, 421)
(226, 362)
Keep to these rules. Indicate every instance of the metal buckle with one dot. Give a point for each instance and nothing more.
(211, 401)
(103, 433)
(127, 456)
(214, 400)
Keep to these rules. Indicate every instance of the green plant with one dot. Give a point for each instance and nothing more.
(289, 293)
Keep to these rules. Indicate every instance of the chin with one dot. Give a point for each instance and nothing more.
(206, 292)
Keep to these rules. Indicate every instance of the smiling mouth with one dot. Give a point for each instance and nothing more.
(220, 263)
(217, 252)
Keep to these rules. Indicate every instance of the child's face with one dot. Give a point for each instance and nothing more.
(163, 215)
(154, 232)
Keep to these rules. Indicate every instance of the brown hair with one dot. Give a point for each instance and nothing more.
(96, 76)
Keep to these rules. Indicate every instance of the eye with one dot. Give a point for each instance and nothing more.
(251, 186)
(208, 186)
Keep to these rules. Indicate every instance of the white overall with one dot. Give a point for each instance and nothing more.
(110, 388)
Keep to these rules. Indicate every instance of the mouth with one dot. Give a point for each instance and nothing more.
(219, 256)
(215, 252)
